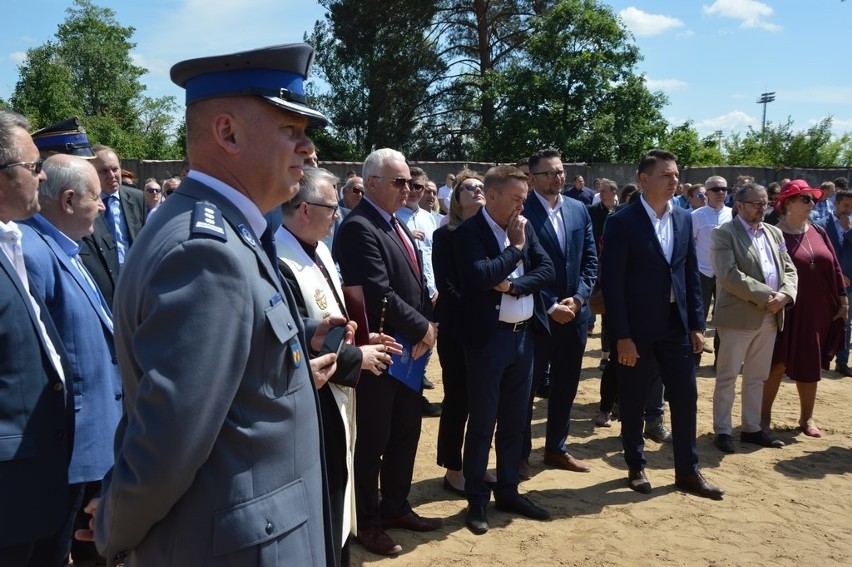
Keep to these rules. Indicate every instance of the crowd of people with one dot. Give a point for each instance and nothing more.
(227, 367)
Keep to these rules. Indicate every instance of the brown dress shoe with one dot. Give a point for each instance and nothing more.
(698, 485)
(377, 541)
(566, 462)
(413, 522)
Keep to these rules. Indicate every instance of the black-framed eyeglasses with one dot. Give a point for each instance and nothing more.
(398, 182)
(551, 174)
(718, 189)
(700, 196)
(472, 187)
(358, 190)
(417, 187)
(333, 208)
(33, 166)
(152, 190)
(807, 199)
(757, 204)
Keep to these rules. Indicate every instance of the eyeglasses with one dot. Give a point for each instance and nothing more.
(701, 196)
(333, 208)
(757, 204)
(718, 189)
(551, 174)
(152, 190)
(33, 166)
(417, 187)
(398, 182)
(472, 187)
(358, 190)
(169, 192)
(807, 199)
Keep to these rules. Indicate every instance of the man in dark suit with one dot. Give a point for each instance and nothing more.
(502, 270)
(837, 226)
(377, 251)
(579, 191)
(36, 411)
(116, 228)
(219, 455)
(70, 202)
(653, 299)
(564, 229)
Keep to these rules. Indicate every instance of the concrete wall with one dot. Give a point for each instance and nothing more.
(621, 173)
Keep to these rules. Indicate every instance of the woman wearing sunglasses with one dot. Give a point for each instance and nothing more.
(815, 326)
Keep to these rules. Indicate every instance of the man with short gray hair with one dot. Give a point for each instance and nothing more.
(704, 220)
(70, 203)
(755, 281)
(377, 251)
(37, 421)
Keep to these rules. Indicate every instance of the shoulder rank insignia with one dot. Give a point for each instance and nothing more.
(246, 234)
(207, 221)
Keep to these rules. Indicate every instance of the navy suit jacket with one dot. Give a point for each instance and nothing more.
(637, 280)
(483, 265)
(842, 246)
(576, 265)
(371, 254)
(36, 420)
(87, 337)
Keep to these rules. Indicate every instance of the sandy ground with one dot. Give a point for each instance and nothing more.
(790, 506)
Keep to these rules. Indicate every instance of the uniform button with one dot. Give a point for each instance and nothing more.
(269, 528)
(290, 326)
(497, 307)
(58, 387)
(118, 397)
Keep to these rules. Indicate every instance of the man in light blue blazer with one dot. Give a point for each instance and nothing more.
(564, 228)
(70, 203)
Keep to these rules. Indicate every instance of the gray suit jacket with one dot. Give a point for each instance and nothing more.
(741, 292)
(218, 458)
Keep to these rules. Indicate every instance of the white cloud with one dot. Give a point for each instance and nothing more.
(665, 84)
(733, 121)
(154, 66)
(643, 24)
(18, 57)
(841, 125)
(685, 34)
(750, 13)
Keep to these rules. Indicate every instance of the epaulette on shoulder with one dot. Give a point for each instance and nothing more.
(207, 221)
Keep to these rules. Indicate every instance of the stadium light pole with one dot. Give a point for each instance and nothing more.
(765, 98)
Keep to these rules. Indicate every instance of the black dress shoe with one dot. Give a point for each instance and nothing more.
(377, 541)
(698, 485)
(453, 489)
(724, 443)
(429, 409)
(843, 369)
(413, 521)
(637, 481)
(761, 438)
(476, 520)
(427, 384)
(521, 505)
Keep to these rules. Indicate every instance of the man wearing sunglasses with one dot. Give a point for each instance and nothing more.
(351, 194)
(36, 410)
(378, 251)
(704, 220)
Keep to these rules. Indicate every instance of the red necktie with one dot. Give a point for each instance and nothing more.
(407, 243)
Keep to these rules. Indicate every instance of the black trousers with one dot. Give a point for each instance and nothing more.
(454, 408)
(388, 416)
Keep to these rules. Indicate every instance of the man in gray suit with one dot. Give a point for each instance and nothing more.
(219, 458)
(755, 282)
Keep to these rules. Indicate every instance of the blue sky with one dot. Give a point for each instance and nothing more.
(713, 58)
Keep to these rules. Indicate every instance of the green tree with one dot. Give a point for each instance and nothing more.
(779, 145)
(575, 88)
(379, 66)
(87, 71)
(683, 140)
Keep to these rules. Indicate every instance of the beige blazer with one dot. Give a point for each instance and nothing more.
(741, 292)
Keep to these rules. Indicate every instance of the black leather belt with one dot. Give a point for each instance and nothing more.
(514, 327)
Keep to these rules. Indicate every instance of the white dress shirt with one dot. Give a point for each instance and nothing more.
(704, 220)
(512, 309)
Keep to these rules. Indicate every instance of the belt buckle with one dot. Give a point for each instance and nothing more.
(519, 326)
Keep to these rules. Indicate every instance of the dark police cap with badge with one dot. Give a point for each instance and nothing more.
(66, 137)
(276, 74)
